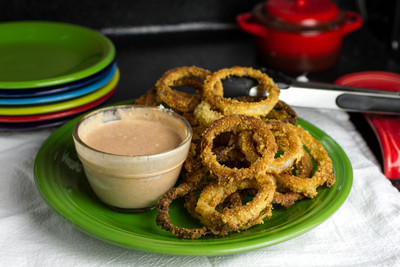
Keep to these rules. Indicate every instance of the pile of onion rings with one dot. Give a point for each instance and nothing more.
(247, 155)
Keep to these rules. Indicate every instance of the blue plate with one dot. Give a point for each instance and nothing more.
(6, 93)
(63, 95)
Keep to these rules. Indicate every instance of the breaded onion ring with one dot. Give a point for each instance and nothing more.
(246, 143)
(232, 201)
(180, 101)
(286, 199)
(239, 217)
(246, 153)
(148, 99)
(304, 167)
(283, 112)
(213, 92)
(287, 139)
(288, 143)
(236, 124)
(197, 176)
(205, 115)
(191, 119)
(163, 218)
(193, 162)
(322, 175)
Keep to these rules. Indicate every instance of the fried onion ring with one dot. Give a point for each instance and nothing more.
(246, 156)
(213, 92)
(237, 123)
(180, 101)
(322, 175)
(283, 112)
(163, 219)
(239, 217)
(232, 201)
(148, 99)
(286, 199)
(205, 115)
(288, 142)
(304, 166)
(246, 143)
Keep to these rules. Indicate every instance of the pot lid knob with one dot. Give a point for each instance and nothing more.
(304, 12)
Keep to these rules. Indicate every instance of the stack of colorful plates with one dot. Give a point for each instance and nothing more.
(50, 72)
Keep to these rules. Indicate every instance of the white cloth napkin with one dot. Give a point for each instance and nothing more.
(365, 231)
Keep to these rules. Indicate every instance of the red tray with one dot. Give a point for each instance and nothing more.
(386, 128)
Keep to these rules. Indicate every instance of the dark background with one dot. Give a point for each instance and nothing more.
(143, 55)
(149, 40)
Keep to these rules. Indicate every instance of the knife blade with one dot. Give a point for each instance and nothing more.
(320, 95)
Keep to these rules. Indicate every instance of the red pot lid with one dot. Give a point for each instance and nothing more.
(303, 12)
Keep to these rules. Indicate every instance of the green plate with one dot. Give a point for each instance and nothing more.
(62, 105)
(62, 183)
(38, 54)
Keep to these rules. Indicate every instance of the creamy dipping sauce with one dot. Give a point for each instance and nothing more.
(119, 148)
(133, 138)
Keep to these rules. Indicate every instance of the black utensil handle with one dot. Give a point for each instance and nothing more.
(369, 103)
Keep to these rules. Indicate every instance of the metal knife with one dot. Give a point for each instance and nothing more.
(320, 95)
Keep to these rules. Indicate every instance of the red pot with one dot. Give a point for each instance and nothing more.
(299, 35)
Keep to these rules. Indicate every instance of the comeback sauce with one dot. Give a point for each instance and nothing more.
(133, 138)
